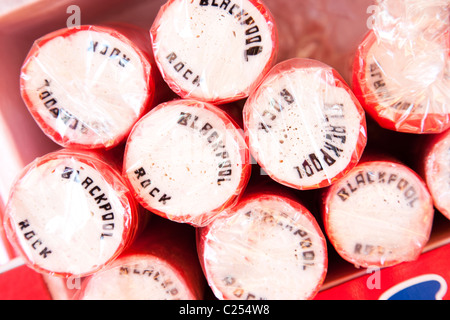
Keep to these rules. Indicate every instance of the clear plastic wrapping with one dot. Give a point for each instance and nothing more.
(214, 51)
(303, 124)
(379, 215)
(401, 71)
(70, 213)
(86, 87)
(435, 169)
(269, 246)
(187, 161)
(237, 93)
(162, 264)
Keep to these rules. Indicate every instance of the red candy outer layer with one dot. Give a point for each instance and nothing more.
(136, 38)
(217, 97)
(380, 108)
(207, 243)
(231, 126)
(167, 242)
(330, 77)
(395, 185)
(134, 219)
(434, 167)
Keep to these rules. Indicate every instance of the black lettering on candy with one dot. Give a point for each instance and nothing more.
(343, 195)
(382, 90)
(146, 182)
(253, 51)
(365, 178)
(165, 282)
(270, 115)
(164, 198)
(360, 180)
(283, 222)
(111, 54)
(61, 114)
(179, 66)
(30, 235)
(214, 140)
(368, 249)
(335, 136)
(252, 33)
(379, 84)
(94, 191)
(171, 57)
(351, 188)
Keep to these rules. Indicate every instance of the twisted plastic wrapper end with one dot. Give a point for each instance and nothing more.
(401, 70)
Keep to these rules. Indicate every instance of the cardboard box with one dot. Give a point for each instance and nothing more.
(427, 278)
(424, 279)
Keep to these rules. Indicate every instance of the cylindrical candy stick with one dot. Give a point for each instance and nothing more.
(214, 51)
(269, 246)
(304, 126)
(86, 87)
(435, 169)
(161, 264)
(404, 91)
(70, 213)
(187, 161)
(379, 215)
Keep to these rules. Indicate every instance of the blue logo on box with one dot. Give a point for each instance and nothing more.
(425, 287)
